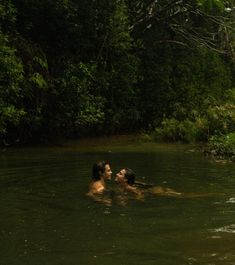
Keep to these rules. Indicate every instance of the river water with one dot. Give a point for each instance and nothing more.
(46, 217)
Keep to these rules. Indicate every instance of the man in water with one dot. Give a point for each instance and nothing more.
(101, 172)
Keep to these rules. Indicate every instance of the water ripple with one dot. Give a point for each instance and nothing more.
(225, 229)
(231, 200)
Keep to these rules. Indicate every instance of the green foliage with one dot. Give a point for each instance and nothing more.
(81, 107)
(200, 81)
(38, 80)
(221, 119)
(72, 67)
(11, 77)
(199, 125)
(11, 70)
(37, 90)
(9, 115)
(145, 137)
(211, 6)
(7, 16)
(118, 71)
(223, 145)
(174, 130)
(179, 81)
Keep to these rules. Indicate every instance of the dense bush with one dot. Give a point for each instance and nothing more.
(199, 125)
(11, 79)
(223, 146)
(81, 107)
(78, 67)
(184, 131)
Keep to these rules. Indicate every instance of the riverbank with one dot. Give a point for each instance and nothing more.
(48, 219)
(220, 148)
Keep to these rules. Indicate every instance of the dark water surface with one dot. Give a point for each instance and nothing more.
(46, 218)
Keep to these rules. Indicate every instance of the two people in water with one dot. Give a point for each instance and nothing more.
(101, 172)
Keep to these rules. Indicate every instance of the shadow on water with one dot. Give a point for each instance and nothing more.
(48, 219)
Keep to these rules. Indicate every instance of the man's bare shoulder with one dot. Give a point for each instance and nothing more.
(96, 187)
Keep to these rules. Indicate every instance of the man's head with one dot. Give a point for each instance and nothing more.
(100, 170)
(126, 175)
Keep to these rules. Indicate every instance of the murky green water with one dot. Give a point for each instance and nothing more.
(47, 219)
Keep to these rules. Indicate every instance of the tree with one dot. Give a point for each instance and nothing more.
(11, 77)
(200, 22)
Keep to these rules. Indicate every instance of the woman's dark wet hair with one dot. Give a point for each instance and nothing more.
(98, 169)
(130, 176)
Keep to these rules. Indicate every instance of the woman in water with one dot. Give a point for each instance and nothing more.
(126, 179)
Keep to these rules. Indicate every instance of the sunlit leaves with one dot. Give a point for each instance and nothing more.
(211, 6)
(81, 104)
(11, 77)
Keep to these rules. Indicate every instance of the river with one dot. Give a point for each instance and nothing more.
(46, 217)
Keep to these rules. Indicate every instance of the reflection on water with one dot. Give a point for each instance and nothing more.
(226, 229)
(231, 200)
(46, 217)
